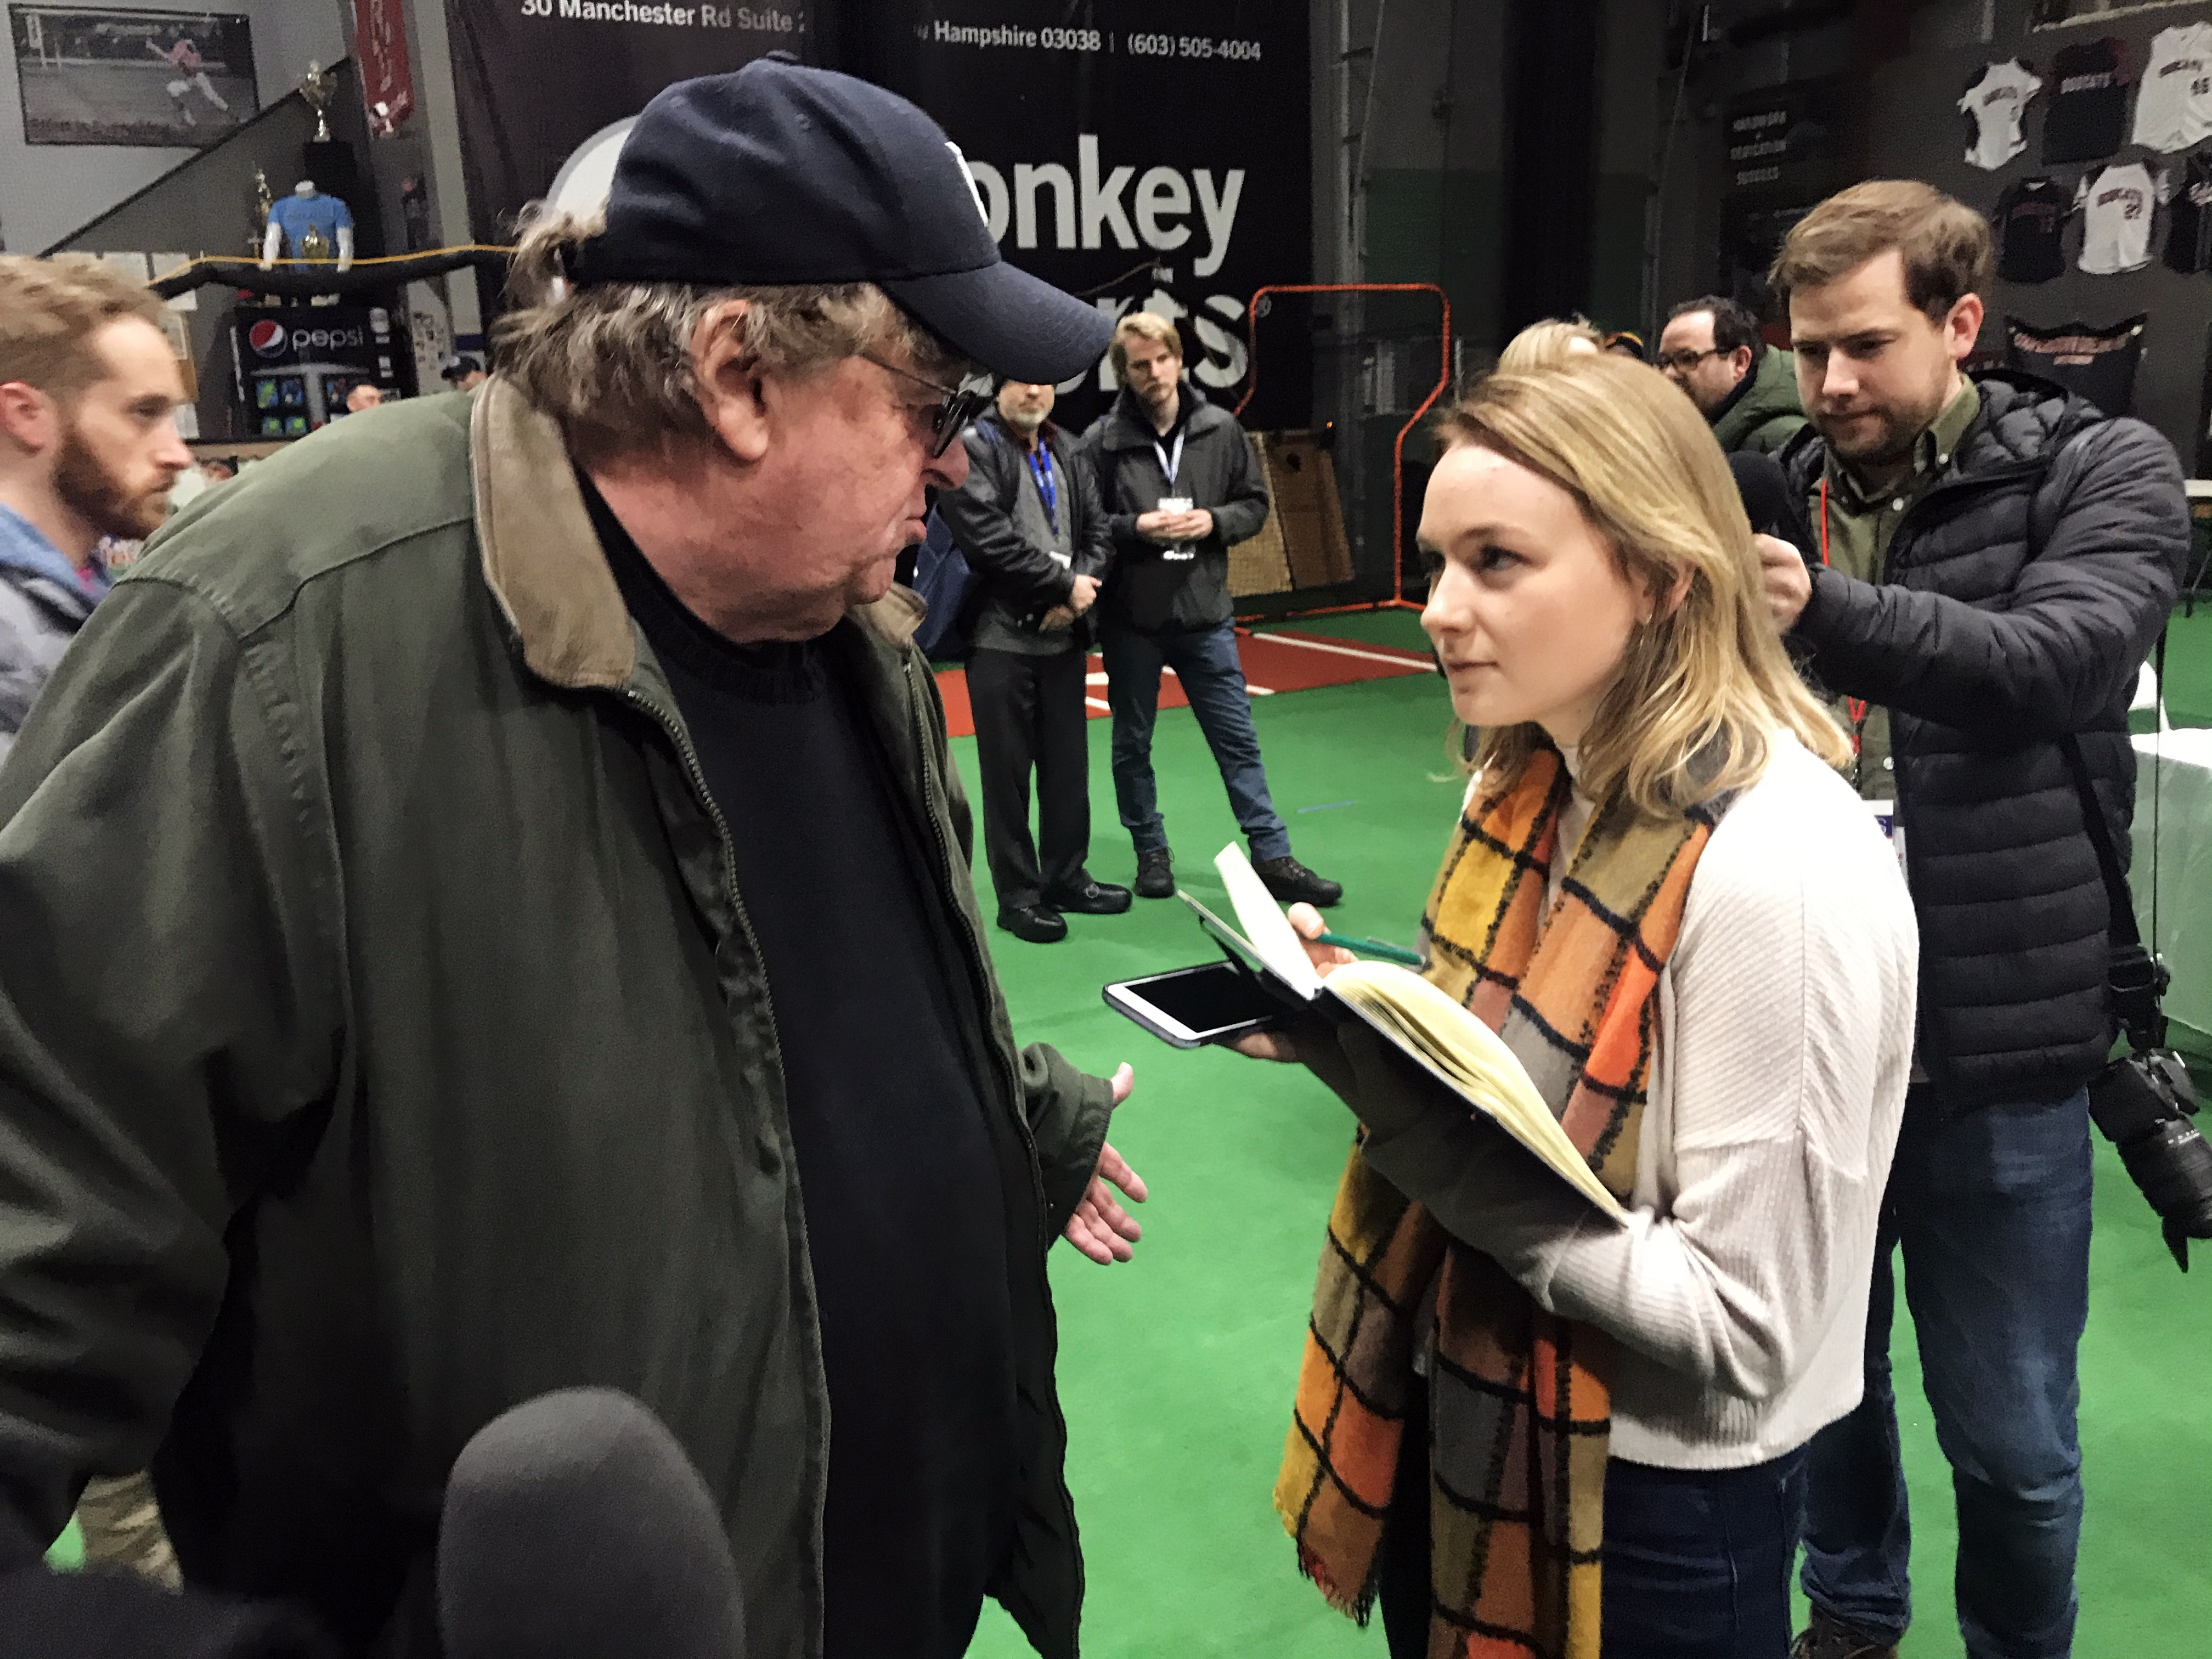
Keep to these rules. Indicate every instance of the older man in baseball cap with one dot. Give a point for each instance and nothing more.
(488, 910)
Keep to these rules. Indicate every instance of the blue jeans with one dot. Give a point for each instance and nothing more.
(1205, 661)
(1696, 1561)
(1991, 1208)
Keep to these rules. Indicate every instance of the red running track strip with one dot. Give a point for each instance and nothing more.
(1287, 661)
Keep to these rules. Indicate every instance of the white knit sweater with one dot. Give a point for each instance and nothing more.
(1738, 1289)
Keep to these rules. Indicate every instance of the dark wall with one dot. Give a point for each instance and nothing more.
(1916, 131)
(1908, 68)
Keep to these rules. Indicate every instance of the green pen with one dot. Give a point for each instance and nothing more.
(1372, 947)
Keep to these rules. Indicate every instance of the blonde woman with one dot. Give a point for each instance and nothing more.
(1549, 344)
(1518, 1418)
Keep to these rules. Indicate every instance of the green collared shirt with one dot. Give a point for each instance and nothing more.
(1855, 539)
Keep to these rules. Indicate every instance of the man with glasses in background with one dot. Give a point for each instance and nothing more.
(1744, 388)
(563, 967)
(1028, 523)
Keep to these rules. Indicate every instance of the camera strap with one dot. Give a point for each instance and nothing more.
(2136, 976)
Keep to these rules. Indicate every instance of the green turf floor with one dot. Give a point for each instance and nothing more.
(1176, 1368)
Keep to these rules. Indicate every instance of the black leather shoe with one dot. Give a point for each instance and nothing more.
(1155, 874)
(1829, 1639)
(1040, 924)
(1093, 898)
(1292, 883)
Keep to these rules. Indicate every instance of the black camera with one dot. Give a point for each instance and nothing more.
(2143, 1103)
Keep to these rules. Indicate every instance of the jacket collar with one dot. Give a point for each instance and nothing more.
(1128, 427)
(543, 561)
(1741, 390)
(1050, 435)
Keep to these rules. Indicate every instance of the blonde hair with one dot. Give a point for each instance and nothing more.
(1549, 344)
(612, 363)
(1145, 325)
(1703, 683)
(49, 312)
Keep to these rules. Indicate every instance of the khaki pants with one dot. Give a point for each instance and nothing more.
(122, 1528)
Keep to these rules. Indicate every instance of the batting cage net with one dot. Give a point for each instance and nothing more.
(1341, 379)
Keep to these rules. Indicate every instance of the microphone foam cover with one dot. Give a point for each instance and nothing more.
(575, 1527)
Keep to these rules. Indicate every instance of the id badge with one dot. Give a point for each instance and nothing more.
(1885, 820)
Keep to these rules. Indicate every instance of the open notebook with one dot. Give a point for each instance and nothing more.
(1466, 1055)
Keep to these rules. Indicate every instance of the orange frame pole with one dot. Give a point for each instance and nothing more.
(1397, 600)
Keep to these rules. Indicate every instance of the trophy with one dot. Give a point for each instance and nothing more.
(262, 199)
(313, 245)
(320, 87)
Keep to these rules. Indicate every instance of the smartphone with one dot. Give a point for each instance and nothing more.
(1193, 1007)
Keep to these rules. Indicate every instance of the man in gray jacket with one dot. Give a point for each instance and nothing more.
(1177, 478)
(88, 449)
(1028, 521)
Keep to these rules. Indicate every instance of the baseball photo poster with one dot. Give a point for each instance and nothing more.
(91, 76)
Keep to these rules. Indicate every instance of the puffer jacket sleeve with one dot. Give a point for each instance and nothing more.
(2110, 531)
(168, 1008)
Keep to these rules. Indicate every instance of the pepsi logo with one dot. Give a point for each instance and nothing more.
(266, 337)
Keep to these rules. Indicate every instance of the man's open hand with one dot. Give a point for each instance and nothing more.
(1789, 583)
(1100, 1227)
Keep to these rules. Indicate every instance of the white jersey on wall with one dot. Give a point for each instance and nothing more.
(1995, 103)
(2173, 105)
(2117, 207)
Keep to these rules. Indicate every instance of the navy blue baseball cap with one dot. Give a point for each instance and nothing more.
(782, 175)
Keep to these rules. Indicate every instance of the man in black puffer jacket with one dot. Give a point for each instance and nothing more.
(1995, 558)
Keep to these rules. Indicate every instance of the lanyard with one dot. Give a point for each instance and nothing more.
(1169, 464)
(1854, 706)
(1039, 460)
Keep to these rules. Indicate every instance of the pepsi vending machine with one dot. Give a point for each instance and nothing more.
(294, 364)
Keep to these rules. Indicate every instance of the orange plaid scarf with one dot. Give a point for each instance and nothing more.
(1519, 1399)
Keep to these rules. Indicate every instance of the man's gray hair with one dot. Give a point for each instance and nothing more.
(612, 363)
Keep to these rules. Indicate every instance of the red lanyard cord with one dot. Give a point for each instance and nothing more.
(1854, 706)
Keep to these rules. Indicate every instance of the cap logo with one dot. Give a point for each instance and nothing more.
(974, 189)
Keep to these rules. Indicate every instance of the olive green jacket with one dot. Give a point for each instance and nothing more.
(383, 1043)
(1765, 414)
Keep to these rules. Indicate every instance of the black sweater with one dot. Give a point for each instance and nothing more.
(905, 1221)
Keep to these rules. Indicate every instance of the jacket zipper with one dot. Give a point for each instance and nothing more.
(1951, 486)
(925, 755)
(696, 776)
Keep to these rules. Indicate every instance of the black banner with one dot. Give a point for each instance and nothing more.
(538, 80)
(1147, 157)
(1143, 164)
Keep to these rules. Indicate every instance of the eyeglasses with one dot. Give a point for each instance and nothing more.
(962, 403)
(1684, 359)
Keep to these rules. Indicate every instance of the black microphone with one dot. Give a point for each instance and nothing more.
(575, 1527)
(1767, 502)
